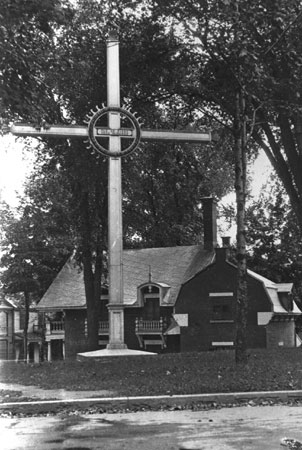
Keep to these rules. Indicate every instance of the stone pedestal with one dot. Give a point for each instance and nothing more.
(116, 327)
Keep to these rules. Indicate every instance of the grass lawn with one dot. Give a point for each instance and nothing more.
(187, 373)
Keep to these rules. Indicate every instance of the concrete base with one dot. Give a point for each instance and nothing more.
(105, 353)
(117, 346)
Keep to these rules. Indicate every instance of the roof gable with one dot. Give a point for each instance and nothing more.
(6, 304)
(272, 290)
(66, 291)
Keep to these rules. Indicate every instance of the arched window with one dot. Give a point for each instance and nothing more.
(154, 295)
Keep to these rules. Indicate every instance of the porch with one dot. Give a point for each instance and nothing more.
(54, 331)
(151, 332)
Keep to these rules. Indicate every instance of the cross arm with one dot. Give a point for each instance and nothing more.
(81, 131)
(56, 131)
(184, 136)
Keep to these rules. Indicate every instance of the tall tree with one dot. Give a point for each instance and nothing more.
(270, 53)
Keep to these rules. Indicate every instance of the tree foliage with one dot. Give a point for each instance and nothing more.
(274, 238)
(36, 239)
(28, 34)
(268, 48)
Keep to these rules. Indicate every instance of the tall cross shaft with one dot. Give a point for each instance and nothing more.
(115, 227)
(115, 133)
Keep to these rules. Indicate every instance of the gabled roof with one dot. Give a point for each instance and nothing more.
(167, 266)
(172, 266)
(6, 304)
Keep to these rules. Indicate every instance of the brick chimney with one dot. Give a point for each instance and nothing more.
(222, 254)
(209, 223)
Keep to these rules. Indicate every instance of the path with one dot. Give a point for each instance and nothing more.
(59, 394)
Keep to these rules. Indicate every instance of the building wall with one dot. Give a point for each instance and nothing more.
(194, 300)
(281, 334)
(130, 315)
(75, 338)
(6, 334)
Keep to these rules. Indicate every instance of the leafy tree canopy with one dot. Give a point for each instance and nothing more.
(255, 46)
(274, 237)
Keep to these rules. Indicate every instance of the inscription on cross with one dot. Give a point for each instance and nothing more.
(96, 132)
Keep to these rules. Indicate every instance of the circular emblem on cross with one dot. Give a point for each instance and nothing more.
(99, 130)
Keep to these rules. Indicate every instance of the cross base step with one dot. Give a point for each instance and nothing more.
(105, 353)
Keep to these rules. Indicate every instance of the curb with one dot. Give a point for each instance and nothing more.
(153, 402)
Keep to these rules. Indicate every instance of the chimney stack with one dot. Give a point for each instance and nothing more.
(222, 254)
(226, 241)
(209, 223)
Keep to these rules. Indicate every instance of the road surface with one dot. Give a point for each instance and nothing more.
(248, 427)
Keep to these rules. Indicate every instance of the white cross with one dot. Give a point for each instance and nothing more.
(115, 134)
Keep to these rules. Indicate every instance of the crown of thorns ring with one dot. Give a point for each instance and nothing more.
(94, 131)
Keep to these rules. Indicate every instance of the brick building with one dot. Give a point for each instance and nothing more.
(176, 299)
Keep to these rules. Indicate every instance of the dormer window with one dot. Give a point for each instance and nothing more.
(285, 296)
(147, 291)
(286, 300)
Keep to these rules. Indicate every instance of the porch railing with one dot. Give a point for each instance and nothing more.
(55, 327)
(103, 327)
(149, 326)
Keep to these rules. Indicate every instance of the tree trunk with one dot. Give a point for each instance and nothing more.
(273, 150)
(26, 320)
(92, 312)
(89, 276)
(240, 186)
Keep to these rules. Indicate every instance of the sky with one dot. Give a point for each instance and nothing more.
(259, 172)
(15, 165)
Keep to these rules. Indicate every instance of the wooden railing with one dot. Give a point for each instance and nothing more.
(103, 327)
(55, 327)
(149, 326)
